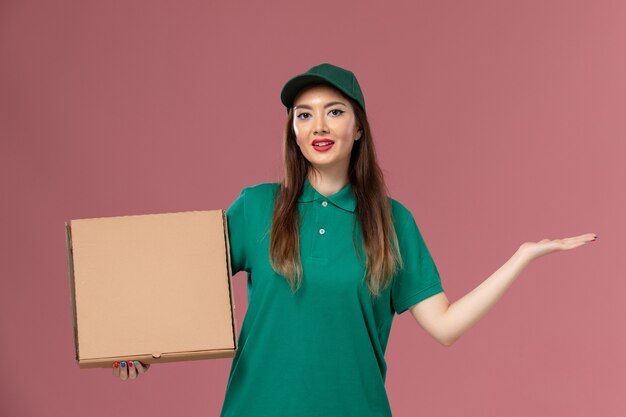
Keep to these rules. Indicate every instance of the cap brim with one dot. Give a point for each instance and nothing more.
(293, 86)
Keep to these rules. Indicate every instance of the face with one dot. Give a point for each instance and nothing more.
(321, 112)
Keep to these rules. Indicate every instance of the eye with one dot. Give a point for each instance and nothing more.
(340, 112)
(302, 114)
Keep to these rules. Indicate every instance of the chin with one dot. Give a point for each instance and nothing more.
(324, 164)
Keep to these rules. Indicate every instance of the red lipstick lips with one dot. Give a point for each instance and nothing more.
(322, 148)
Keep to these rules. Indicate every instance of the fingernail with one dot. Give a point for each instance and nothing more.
(130, 363)
(116, 364)
(136, 363)
(123, 364)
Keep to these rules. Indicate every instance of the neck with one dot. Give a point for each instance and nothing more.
(327, 183)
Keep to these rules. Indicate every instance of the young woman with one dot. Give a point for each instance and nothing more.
(330, 259)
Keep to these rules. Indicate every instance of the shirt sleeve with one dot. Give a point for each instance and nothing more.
(236, 220)
(419, 277)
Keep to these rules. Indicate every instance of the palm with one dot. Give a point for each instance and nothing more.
(546, 246)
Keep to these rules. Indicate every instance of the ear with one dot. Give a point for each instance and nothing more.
(359, 135)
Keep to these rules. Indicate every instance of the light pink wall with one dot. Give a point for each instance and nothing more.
(495, 123)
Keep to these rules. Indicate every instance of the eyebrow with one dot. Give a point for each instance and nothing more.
(332, 103)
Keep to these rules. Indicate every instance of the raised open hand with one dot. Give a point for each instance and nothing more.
(535, 250)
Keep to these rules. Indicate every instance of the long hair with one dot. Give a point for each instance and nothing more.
(373, 210)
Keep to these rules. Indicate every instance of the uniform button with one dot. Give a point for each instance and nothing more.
(324, 203)
(322, 231)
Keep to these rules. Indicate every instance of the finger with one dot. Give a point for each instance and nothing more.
(116, 369)
(573, 245)
(582, 238)
(141, 368)
(585, 237)
(123, 371)
(132, 371)
(588, 236)
(574, 242)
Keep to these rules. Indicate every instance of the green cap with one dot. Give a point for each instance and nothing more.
(338, 77)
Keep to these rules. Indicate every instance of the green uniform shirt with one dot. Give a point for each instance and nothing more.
(319, 352)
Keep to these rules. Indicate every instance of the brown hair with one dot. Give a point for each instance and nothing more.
(373, 210)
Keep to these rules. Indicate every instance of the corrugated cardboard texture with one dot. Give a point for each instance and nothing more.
(151, 287)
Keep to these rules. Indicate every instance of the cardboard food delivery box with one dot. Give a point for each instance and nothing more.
(154, 288)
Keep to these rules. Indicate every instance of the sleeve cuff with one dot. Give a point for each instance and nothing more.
(403, 305)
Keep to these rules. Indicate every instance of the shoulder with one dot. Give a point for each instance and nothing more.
(255, 203)
(400, 213)
(261, 191)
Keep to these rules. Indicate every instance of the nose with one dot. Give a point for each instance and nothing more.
(320, 125)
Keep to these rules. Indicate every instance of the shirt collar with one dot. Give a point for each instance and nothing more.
(343, 198)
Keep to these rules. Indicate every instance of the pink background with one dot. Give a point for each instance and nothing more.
(495, 123)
